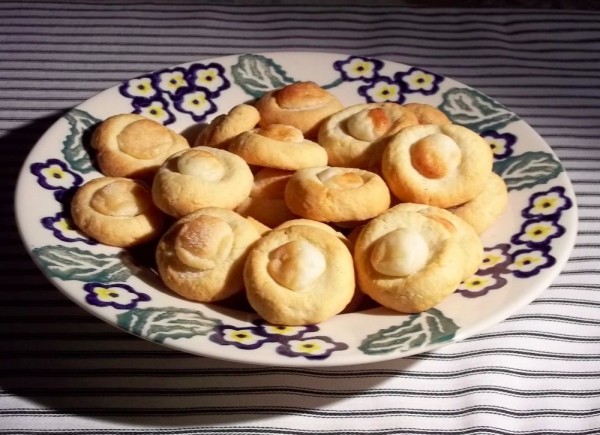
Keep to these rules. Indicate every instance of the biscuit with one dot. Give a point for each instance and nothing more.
(483, 210)
(356, 136)
(409, 260)
(303, 105)
(268, 211)
(201, 257)
(201, 177)
(443, 165)
(117, 211)
(329, 194)
(299, 275)
(132, 146)
(313, 223)
(223, 128)
(427, 114)
(270, 183)
(278, 146)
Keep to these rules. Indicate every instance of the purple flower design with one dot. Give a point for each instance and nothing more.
(55, 175)
(314, 348)
(197, 103)
(529, 262)
(547, 205)
(358, 68)
(62, 228)
(496, 260)
(382, 89)
(281, 333)
(243, 338)
(119, 296)
(539, 231)
(172, 81)
(480, 285)
(502, 144)
(144, 87)
(156, 109)
(417, 80)
(209, 77)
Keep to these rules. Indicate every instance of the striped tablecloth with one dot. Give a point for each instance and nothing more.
(65, 371)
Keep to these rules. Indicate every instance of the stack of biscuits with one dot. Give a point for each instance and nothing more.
(303, 205)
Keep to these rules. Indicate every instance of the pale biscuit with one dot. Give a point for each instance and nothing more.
(483, 210)
(443, 165)
(427, 114)
(223, 128)
(278, 146)
(201, 177)
(357, 135)
(299, 275)
(303, 105)
(117, 211)
(269, 211)
(329, 194)
(270, 183)
(317, 224)
(201, 257)
(132, 146)
(409, 260)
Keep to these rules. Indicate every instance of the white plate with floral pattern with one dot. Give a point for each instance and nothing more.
(524, 251)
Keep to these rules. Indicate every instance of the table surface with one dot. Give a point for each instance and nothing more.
(538, 372)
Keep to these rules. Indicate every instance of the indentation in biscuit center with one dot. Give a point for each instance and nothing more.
(301, 96)
(435, 156)
(121, 198)
(296, 264)
(204, 242)
(202, 164)
(401, 252)
(368, 125)
(144, 139)
(336, 178)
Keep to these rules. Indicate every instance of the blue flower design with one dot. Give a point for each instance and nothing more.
(157, 110)
(63, 228)
(314, 348)
(242, 338)
(480, 285)
(529, 262)
(55, 175)
(358, 68)
(502, 144)
(382, 89)
(210, 77)
(119, 296)
(417, 80)
(538, 231)
(547, 205)
(496, 260)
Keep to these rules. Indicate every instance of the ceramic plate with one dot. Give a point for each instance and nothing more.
(524, 251)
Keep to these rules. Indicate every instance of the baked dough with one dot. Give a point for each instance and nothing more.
(117, 211)
(201, 177)
(201, 257)
(483, 210)
(270, 183)
(223, 128)
(409, 259)
(356, 136)
(427, 114)
(132, 146)
(330, 194)
(278, 146)
(299, 275)
(303, 105)
(443, 165)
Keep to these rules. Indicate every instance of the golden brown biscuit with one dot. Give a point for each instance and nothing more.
(409, 258)
(201, 257)
(356, 136)
(269, 211)
(201, 177)
(483, 210)
(270, 183)
(223, 128)
(303, 105)
(278, 146)
(443, 165)
(329, 194)
(427, 114)
(132, 146)
(299, 275)
(313, 223)
(117, 211)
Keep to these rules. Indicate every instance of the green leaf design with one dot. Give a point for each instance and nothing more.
(257, 74)
(418, 330)
(158, 324)
(528, 169)
(475, 110)
(70, 263)
(76, 144)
